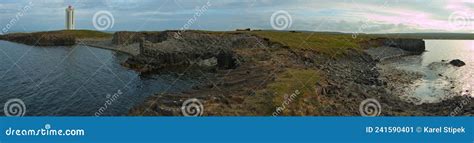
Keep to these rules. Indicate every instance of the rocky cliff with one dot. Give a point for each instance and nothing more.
(127, 37)
(168, 49)
(416, 46)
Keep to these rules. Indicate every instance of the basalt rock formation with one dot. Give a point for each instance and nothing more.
(127, 37)
(416, 46)
(174, 49)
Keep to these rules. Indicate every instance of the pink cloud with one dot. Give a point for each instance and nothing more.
(460, 16)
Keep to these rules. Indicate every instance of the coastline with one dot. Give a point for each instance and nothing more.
(252, 74)
(346, 81)
(132, 50)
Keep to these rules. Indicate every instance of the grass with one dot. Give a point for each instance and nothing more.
(327, 43)
(295, 91)
(331, 44)
(294, 79)
(81, 34)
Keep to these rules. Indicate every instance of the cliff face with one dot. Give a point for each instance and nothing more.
(416, 46)
(41, 39)
(411, 45)
(127, 38)
(168, 49)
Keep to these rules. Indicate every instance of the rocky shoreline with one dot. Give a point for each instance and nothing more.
(54, 38)
(41, 39)
(246, 89)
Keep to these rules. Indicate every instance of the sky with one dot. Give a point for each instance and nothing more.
(351, 16)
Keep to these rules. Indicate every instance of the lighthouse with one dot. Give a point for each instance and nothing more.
(70, 18)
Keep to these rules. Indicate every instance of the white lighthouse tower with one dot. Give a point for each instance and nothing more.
(70, 18)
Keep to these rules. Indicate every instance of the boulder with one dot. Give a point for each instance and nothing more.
(457, 63)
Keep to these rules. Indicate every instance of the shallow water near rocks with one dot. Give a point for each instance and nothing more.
(440, 80)
(71, 81)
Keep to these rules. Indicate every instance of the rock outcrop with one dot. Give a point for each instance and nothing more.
(411, 45)
(387, 48)
(416, 46)
(41, 39)
(172, 49)
(127, 37)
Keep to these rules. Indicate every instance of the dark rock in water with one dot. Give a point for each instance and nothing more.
(457, 63)
(440, 74)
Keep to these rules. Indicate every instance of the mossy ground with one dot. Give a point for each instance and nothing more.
(81, 34)
(333, 45)
(294, 93)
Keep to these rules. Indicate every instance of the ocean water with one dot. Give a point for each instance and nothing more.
(440, 80)
(75, 81)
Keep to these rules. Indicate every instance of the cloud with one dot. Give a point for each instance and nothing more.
(320, 15)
